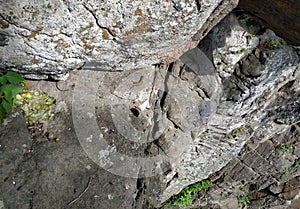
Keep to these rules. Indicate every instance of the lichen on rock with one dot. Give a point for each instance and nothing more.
(46, 39)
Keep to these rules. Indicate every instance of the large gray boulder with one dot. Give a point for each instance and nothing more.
(49, 38)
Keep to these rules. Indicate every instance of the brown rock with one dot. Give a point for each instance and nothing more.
(295, 204)
(281, 16)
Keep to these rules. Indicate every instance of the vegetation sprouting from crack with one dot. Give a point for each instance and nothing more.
(185, 197)
(11, 84)
(243, 200)
(37, 106)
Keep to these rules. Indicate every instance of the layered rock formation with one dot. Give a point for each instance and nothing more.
(229, 103)
(224, 110)
(252, 71)
(44, 39)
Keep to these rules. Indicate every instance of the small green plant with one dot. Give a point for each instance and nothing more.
(241, 187)
(11, 84)
(287, 170)
(295, 165)
(272, 43)
(233, 133)
(250, 36)
(285, 148)
(243, 200)
(238, 51)
(37, 106)
(185, 197)
(247, 20)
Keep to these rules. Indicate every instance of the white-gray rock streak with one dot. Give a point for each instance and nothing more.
(42, 38)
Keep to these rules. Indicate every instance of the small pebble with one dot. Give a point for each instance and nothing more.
(50, 136)
(57, 139)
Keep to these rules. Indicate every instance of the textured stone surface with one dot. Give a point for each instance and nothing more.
(196, 116)
(45, 174)
(45, 38)
(268, 104)
(268, 175)
(15, 140)
(244, 99)
(281, 16)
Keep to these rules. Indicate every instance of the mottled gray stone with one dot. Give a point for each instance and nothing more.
(15, 142)
(48, 174)
(187, 107)
(251, 66)
(44, 39)
(242, 106)
(169, 126)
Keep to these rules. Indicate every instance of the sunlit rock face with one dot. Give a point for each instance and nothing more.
(48, 38)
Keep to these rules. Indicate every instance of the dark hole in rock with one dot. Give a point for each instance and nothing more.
(111, 131)
(252, 187)
(135, 112)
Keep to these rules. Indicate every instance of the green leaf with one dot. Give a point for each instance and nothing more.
(2, 113)
(10, 91)
(14, 78)
(12, 88)
(8, 97)
(3, 80)
(6, 106)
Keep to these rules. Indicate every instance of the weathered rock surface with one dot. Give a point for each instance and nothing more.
(44, 39)
(43, 174)
(281, 16)
(264, 171)
(246, 92)
(170, 126)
